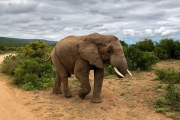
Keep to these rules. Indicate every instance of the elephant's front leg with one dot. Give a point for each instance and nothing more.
(98, 80)
(81, 71)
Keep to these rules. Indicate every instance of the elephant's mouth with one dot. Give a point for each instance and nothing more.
(119, 73)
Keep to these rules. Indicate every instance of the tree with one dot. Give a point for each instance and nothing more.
(168, 45)
(177, 49)
(35, 49)
(138, 59)
(160, 53)
(123, 43)
(133, 54)
(146, 45)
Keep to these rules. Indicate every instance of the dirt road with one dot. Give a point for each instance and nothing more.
(123, 99)
(11, 107)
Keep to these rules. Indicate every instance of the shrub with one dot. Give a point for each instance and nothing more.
(28, 68)
(133, 55)
(10, 63)
(160, 53)
(146, 45)
(172, 97)
(33, 74)
(109, 70)
(168, 45)
(168, 75)
(177, 50)
(3, 48)
(147, 60)
(35, 49)
(170, 100)
(2, 52)
(140, 59)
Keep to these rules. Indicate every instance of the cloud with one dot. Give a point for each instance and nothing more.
(17, 7)
(166, 31)
(129, 20)
(129, 32)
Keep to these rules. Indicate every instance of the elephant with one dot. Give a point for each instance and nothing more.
(79, 54)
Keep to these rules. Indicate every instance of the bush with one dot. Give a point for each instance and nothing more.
(3, 48)
(147, 60)
(177, 50)
(10, 63)
(170, 100)
(172, 97)
(109, 70)
(146, 45)
(140, 59)
(28, 67)
(2, 52)
(168, 45)
(133, 55)
(160, 53)
(168, 75)
(33, 74)
(35, 49)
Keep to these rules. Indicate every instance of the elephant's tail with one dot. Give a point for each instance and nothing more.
(47, 59)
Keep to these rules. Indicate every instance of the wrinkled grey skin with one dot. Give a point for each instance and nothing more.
(78, 55)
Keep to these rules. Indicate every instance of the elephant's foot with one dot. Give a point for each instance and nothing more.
(83, 92)
(96, 100)
(82, 96)
(57, 91)
(67, 94)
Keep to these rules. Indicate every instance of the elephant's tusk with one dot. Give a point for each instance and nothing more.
(129, 72)
(116, 70)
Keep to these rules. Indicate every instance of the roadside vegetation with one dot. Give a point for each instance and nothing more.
(169, 101)
(144, 54)
(28, 68)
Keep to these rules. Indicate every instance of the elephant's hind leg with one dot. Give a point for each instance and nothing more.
(61, 77)
(57, 85)
(66, 89)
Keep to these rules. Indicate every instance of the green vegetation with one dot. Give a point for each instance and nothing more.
(168, 75)
(28, 67)
(144, 54)
(146, 45)
(138, 59)
(10, 63)
(169, 49)
(33, 74)
(108, 71)
(170, 99)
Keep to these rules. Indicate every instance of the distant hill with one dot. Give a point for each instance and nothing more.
(16, 42)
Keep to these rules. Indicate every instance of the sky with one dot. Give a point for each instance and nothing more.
(129, 20)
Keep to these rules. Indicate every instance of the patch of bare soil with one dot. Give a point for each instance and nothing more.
(130, 98)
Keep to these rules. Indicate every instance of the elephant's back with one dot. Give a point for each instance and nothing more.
(67, 51)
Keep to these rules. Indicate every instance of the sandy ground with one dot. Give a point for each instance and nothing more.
(130, 98)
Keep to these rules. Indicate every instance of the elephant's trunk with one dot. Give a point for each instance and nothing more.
(120, 66)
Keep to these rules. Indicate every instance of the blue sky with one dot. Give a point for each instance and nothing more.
(129, 20)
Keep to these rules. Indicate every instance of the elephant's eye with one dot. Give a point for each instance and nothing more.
(109, 51)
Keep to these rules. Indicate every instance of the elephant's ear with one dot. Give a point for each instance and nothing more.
(88, 50)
